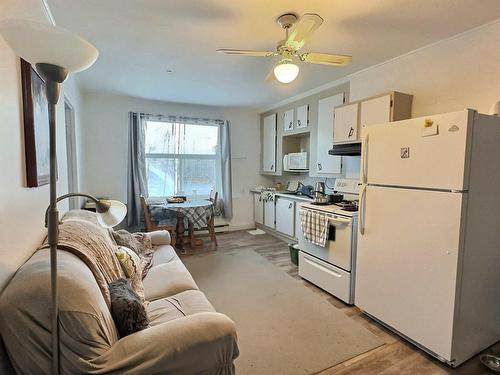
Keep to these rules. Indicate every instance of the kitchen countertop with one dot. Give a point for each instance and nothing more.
(282, 194)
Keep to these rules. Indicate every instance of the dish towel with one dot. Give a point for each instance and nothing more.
(314, 226)
(268, 195)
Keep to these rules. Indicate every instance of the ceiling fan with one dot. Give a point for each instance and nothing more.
(285, 70)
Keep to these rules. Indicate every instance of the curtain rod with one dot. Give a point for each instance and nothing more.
(187, 119)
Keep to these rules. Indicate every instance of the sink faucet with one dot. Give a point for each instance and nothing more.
(300, 185)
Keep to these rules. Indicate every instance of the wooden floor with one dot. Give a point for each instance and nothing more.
(396, 356)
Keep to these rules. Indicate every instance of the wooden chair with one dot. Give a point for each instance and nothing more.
(211, 219)
(151, 225)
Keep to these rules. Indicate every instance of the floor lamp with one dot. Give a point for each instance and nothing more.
(55, 52)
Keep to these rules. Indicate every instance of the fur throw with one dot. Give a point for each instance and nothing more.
(127, 310)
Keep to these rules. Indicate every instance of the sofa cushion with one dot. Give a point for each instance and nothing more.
(163, 254)
(182, 304)
(167, 279)
(87, 328)
(159, 237)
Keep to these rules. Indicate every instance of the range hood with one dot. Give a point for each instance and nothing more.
(346, 149)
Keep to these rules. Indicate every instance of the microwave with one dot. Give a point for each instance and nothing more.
(295, 161)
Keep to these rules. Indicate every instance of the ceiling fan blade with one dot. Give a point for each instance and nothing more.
(245, 52)
(307, 24)
(325, 58)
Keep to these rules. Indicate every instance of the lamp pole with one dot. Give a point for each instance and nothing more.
(53, 76)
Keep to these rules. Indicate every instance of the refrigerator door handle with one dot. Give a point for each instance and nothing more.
(362, 210)
(364, 158)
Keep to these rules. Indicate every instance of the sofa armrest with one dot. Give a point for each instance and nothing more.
(159, 237)
(199, 343)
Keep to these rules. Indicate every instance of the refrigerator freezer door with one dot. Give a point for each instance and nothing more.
(407, 262)
(428, 152)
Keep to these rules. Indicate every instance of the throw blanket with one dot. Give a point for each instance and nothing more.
(94, 247)
(314, 226)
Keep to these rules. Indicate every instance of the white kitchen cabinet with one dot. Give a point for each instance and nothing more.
(285, 216)
(269, 144)
(302, 117)
(288, 120)
(258, 208)
(376, 110)
(346, 125)
(393, 106)
(269, 214)
(325, 163)
(298, 230)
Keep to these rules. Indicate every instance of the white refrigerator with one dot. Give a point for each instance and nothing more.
(428, 255)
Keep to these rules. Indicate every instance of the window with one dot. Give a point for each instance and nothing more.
(182, 159)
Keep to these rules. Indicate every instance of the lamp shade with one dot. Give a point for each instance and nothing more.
(113, 213)
(37, 42)
(286, 71)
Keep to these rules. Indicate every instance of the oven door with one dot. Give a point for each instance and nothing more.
(338, 246)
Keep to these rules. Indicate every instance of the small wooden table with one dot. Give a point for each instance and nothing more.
(196, 211)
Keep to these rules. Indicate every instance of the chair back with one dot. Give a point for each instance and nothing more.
(145, 209)
(213, 198)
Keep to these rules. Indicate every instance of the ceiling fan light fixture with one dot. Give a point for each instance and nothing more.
(286, 71)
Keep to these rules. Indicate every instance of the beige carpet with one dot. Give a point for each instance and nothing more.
(283, 327)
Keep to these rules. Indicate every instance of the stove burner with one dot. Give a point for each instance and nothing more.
(348, 205)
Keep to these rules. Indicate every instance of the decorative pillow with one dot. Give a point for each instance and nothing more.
(127, 310)
(140, 243)
(131, 264)
(129, 260)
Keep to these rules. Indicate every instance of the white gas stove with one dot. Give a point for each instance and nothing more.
(332, 267)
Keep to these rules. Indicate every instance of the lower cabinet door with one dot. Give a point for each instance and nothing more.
(285, 216)
(334, 280)
(258, 207)
(269, 218)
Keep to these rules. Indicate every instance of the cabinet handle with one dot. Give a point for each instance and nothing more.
(260, 199)
(272, 167)
(290, 205)
(320, 167)
(299, 123)
(351, 132)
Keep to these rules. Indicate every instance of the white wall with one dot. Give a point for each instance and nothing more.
(105, 136)
(22, 209)
(450, 75)
(455, 73)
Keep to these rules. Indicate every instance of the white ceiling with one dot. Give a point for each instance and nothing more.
(140, 40)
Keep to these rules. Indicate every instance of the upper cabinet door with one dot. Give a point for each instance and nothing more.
(288, 120)
(346, 123)
(376, 110)
(269, 144)
(325, 163)
(302, 117)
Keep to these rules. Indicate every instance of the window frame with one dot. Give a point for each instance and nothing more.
(180, 157)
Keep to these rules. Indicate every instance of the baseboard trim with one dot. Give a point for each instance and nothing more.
(274, 233)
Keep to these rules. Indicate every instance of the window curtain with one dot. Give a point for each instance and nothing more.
(136, 177)
(227, 189)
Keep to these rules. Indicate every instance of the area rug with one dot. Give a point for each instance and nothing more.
(282, 326)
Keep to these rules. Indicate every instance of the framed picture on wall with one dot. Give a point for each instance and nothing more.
(36, 126)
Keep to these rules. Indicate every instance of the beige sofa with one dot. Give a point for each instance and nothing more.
(186, 335)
